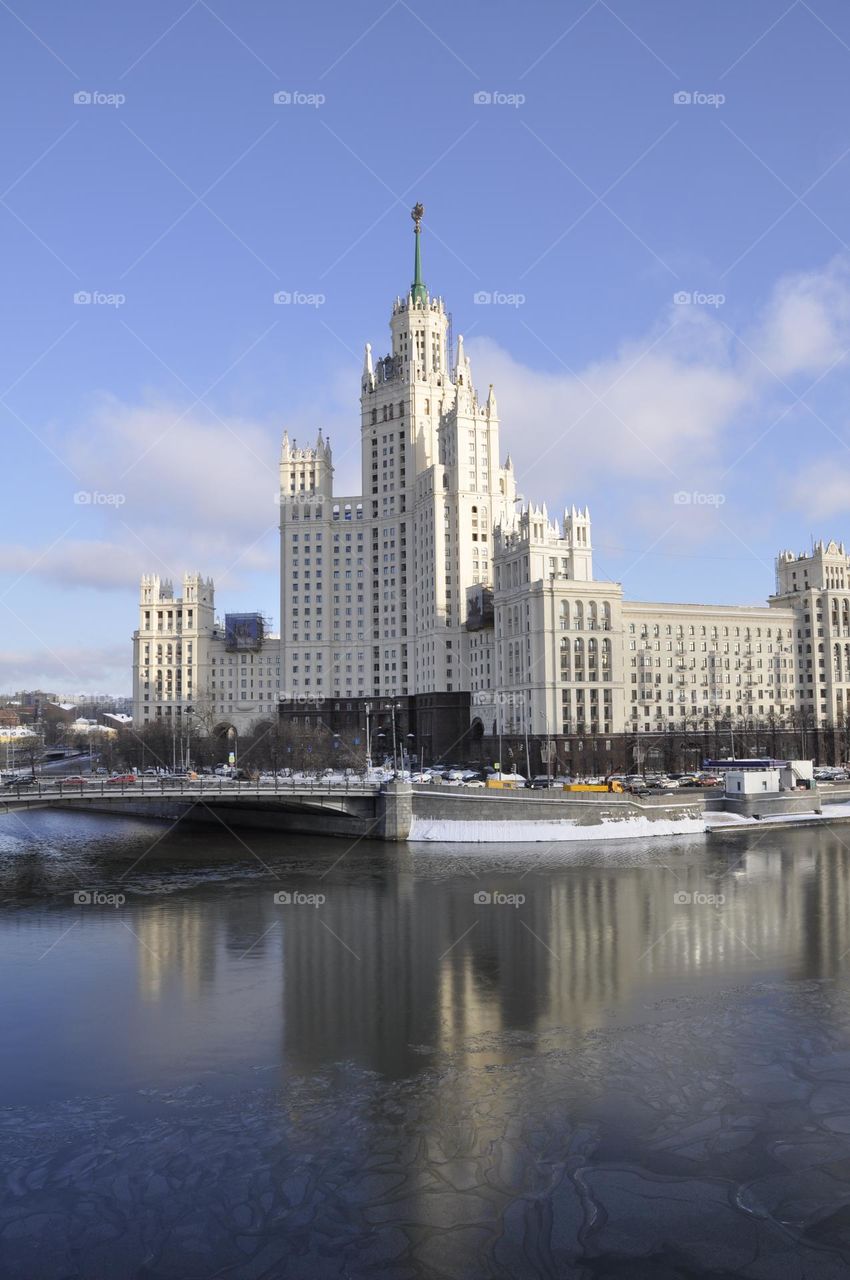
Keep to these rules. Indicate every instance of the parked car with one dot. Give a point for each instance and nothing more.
(543, 782)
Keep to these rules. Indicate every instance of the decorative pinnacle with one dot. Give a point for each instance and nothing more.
(417, 289)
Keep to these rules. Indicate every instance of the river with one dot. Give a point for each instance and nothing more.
(248, 1055)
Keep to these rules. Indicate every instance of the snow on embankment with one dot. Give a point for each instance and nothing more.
(453, 831)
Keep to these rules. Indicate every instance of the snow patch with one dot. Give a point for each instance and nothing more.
(450, 831)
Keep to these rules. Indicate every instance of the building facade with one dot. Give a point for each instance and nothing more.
(435, 591)
(189, 663)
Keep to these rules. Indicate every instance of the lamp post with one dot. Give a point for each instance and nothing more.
(367, 707)
(190, 711)
(393, 707)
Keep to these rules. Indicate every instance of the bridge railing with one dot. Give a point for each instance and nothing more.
(188, 787)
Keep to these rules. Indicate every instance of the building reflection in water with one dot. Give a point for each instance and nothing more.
(177, 945)
(395, 964)
(431, 968)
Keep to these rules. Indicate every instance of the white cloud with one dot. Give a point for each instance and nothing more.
(806, 326)
(188, 469)
(682, 404)
(99, 564)
(823, 488)
(67, 670)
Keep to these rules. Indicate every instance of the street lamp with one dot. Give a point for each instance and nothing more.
(190, 711)
(393, 708)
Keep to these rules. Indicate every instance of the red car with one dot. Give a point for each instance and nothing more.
(121, 778)
(76, 781)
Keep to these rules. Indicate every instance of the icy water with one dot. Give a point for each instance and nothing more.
(632, 1061)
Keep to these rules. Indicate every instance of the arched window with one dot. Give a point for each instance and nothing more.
(565, 659)
(578, 614)
(565, 615)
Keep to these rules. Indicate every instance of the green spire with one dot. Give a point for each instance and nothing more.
(417, 289)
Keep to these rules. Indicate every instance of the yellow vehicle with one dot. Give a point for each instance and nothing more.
(594, 786)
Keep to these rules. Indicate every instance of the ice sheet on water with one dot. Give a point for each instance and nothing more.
(705, 1141)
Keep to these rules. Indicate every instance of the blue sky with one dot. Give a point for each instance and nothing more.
(184, 197)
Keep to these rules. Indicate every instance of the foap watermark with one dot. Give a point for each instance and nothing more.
(295, 898)
(283, 298)
(684, 899)
(301, 699)
(97, 898)
(298, 500)
(496, 98)
(95, 98)
(486, 298)
(97, 298)
(688, 298)
(694, 98)
(93, 498)
(496, 898)
(696, 499)
(497, 697)
(297, 98)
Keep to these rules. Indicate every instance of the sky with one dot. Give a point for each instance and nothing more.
(638, 215)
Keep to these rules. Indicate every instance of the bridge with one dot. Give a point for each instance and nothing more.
(350, 808)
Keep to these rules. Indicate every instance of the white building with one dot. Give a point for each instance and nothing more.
(188, 662)
(373, 587)
(431, 581)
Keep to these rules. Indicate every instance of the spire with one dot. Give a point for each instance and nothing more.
(368, 372)
(417, 289)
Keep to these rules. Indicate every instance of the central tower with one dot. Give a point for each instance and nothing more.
(386, 616)
(401, 403)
